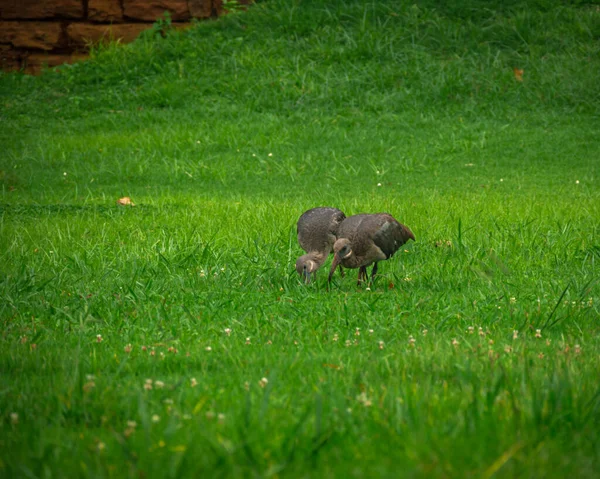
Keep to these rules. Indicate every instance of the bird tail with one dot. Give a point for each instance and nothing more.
(407, 233)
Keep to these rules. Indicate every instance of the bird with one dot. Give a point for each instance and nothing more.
(366, 239)
(317, 230)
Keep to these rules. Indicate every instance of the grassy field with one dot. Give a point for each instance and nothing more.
(173, 338)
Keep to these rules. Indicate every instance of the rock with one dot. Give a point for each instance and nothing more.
(217, 6)
(10, 59)
(200, 8)
(105, 11)
(152, 10)
(38, 9)
(35, 62)
(81, 34)
(37, 35)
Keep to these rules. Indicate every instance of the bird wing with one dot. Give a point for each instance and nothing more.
(336, 220)
(317, 227)
(391, 235)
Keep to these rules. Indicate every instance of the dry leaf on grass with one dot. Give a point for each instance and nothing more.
(125, 201)
(518, 73)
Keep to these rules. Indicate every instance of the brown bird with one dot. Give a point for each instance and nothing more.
(366, 239)
(317, 230)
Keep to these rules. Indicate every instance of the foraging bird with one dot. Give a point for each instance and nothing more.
(317, 230)
(366, 239)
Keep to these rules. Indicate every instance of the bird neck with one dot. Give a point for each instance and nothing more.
(318, 258)
(351, 262)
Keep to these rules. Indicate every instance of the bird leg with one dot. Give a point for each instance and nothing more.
(373, 272)
(362, 275)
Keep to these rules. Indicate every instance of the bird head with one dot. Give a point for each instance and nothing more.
(305, 266)
(342, 249)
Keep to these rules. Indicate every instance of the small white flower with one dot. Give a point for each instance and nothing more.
(378, 184)
(263, 382)
(155, 418)
(363, 399)
(193, 382)
(538, 333)
(576, 181)
(208, 348)
(159, 384)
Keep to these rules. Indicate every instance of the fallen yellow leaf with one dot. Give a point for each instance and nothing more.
(125, 201)
(518, 74)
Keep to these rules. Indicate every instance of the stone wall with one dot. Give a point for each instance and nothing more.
(51, 32)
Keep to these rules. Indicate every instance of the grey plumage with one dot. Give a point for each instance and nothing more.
(317, 229)
(366, 239)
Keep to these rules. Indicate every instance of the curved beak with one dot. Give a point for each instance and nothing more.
(307, 277)
(334, 264)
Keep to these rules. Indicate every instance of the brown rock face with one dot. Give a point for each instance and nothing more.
(38, 9)
(9, 59)
(104, 11)
(34, 62)
(200, 8)
(37, 35)
(81, 34)
(151, 10)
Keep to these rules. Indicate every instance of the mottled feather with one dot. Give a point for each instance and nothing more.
(317, 229)
(365, 239)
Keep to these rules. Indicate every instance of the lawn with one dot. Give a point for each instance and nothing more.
(174, 338)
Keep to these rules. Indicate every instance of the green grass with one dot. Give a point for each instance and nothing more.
(223, 135)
